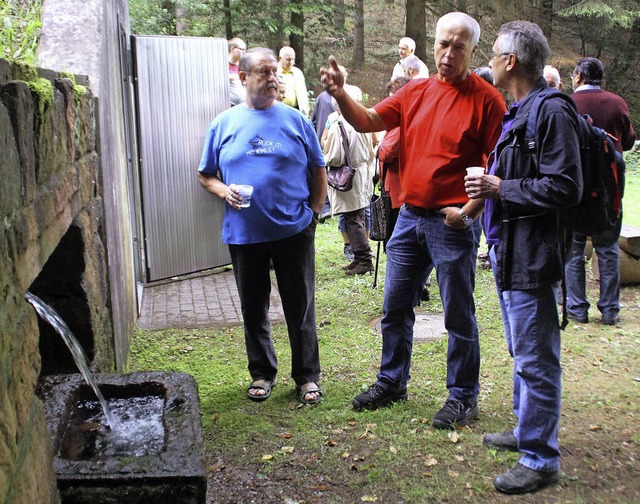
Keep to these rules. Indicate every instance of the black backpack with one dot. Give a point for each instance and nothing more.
(603, 171)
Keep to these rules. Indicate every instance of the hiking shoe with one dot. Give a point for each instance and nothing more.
(577, 318)
(521, 480)
(501, 441)
(455, 413)
(610, 320)
(350, 266)
(378, 396)
(361, 267)
(348, 252)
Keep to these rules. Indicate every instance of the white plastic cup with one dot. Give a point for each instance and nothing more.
(474, 171)
(245, 191)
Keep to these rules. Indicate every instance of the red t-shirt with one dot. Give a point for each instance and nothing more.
(444, 128)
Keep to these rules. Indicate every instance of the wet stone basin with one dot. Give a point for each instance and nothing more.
(154, 453)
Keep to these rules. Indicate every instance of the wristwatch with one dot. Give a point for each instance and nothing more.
(465, 218)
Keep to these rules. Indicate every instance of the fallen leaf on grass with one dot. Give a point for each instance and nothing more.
(430, 461)
(594, 427)
(287, 449)
(215, 417)
(352, 421)
(267, 457)
(459, 458)
(393, 450)
(453, 474)
(346, 455)
(285, 435)
(454, 437)
(427, 474)
(331, 442)
(368, 498)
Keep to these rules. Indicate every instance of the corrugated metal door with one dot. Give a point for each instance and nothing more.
(181, 85)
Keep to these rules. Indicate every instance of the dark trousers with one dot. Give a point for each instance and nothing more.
(357, 234)
(293, 261)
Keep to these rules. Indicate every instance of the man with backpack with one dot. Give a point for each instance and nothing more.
(609, 112)
(525, 190)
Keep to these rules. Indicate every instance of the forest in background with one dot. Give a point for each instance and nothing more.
(364, 34)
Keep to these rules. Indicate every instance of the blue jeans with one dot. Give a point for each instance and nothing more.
(293, 261)
(532, 332)
(416, 246)
(607, 249)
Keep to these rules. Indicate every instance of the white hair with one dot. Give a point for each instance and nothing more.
(409, 42)
(460, 18)
(553, 73)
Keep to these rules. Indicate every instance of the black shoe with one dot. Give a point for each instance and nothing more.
(501, 441)
(610, 320)
(350, 266)
(454, 413)
(378, 396)
(578, 319)
(424, 296)
(521, 480)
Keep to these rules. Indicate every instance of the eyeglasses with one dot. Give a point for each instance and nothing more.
(499, 55)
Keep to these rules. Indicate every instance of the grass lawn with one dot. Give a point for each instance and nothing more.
(279, 451)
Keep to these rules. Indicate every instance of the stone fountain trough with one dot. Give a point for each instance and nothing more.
(171, 470)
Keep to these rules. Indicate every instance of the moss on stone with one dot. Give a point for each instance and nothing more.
(79, 92)
(44, 91)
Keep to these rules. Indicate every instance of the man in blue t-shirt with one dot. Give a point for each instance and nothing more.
(274, 148)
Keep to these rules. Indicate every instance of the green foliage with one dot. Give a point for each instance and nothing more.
(20, 29)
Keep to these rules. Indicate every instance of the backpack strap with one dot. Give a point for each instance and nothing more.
(530, 139)
(532, 118)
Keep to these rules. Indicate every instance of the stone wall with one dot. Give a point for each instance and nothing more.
(49, 185)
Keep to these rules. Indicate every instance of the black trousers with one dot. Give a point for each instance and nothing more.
(293, 261)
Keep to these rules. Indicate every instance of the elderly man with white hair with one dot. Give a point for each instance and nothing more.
(406, 48)
(296, 94)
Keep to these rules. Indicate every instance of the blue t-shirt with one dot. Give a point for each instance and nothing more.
(274, 150)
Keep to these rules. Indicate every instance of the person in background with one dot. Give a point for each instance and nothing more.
(611, 113)
(237, 47)
(274, 148)
(434, 224)
(282, 90)
(352, 204)
(485, 72)
(552, 76)
(296, 95)
(523, 198)
(406, 47)
(415, 68)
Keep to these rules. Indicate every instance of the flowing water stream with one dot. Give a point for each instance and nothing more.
(52, 317)
(131, 426)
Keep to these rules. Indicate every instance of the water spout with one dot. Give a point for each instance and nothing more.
(52, 317)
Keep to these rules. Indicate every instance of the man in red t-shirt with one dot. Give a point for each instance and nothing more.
(447, 123)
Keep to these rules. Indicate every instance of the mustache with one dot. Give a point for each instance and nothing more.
(272, 85)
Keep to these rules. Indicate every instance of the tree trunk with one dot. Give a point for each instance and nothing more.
(228, 27)
(339, 10)
(416, 27)
(542, 15)
(277, 10)
(170, 20)
(358, 35)
(182, 19)
(296, 39)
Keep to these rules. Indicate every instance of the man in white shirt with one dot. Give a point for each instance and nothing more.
(406, 47)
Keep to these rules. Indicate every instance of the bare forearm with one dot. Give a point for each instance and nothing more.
(213, 184)
(318, 189)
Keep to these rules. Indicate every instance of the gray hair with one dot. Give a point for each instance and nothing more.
(248, 59)
(460, 18)
(527, 41)
(591, 69)
(553, 73)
